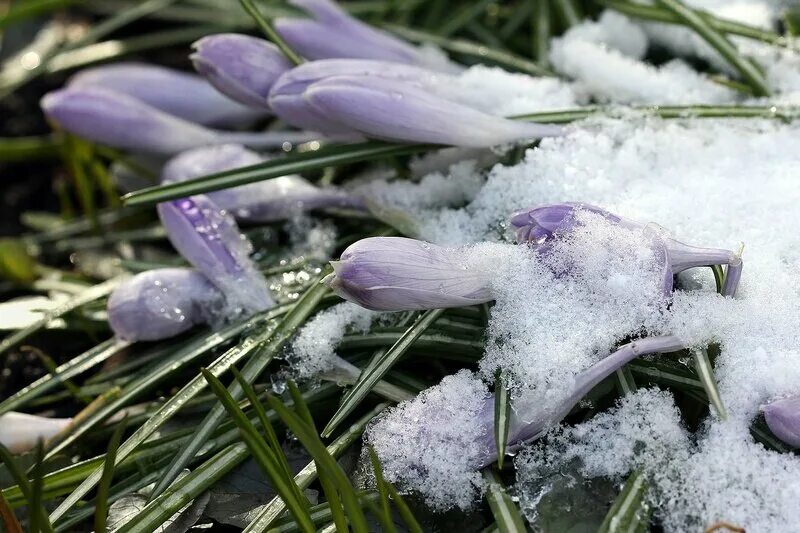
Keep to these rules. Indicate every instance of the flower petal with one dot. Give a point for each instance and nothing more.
(783, 419)
(19, 432)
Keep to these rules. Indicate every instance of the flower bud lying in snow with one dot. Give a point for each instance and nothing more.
(240, 66)
(396, 108)
(541, 224)
(19, 431)
(167, 89)
(395, 274)
(122, 121)
(161, 303)
(210, 240)
(783, 419)
(263, 201)
(333, 33)
(437, 442)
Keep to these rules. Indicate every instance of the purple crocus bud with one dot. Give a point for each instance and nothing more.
(398, 111)
(395, 274)
(263, 201)
(332, 33)
(161, 303)
(167, 89)
(783, 419)
(121, 121)
(19, 432)
(240, 66)
(210, 240)
(541, 224)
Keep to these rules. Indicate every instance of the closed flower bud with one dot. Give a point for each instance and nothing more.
(332, 33)
(161, 303)
(399, 111)
(240, 66)
(118, 120)
(783, 419)
(19, 432)
(541, 224)
(209, 239)
(167, 89)
(263, 201)
(395, 273)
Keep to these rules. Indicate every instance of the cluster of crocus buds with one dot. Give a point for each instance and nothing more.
(399, 274)
(146, 109)
(19, 432)
(226, 283)
(263, 201)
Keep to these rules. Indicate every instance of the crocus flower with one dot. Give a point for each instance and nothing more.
(783, 419)
(168, 90)
(395, 274)
(19, 431)
(121, 121)
(161, 303)
(240, 66)
(263, 201)
(332, 33)
(209, 239)
(541, 224)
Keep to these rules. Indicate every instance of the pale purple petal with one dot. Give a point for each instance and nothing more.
(395, 273)
(263, 201)
(240, 66)
(397, 111)
(334, 33)
(209, 239)
(121, 121)
(161, 303)
(783, 419)
(19, 432)
(167, 89)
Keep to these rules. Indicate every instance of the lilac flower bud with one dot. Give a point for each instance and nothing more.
(783, 419)
(240, 66)
(263, 201)
(332, 33)
(161, 303)
(210, 240)
(540, 224)
(395, 273)
(119, 120)
(167, 89)
(396, 111)
(19, 431)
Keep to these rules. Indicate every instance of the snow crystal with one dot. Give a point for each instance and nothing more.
(313, 350)
(431, 444)
(603, 57)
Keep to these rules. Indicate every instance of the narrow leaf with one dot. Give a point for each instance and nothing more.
(385, 507)
(629, 512)
(502, 416)
(379, 367)
(104, 488)
(705, 372)
(505, 512)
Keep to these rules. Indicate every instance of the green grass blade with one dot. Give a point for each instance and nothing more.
(202, 478)
(502, 416)
(505, 512)
(568, 11)
(541, 31)
(308, 474)
(325, 463)
(404, 511)
(629, 513)
(270, 33)
(13, 149)
(31, 8)
(193, 350)
(38, 520)
(293, 164)
(89, 295)
(29, 492)
(104, 488)
(267, 459)
(379, 367)
(746, 68)
(68, 370)
(265, 347)
(300, 406)
(385, 508)
(7, 517)
(705, 371)
(321, 514)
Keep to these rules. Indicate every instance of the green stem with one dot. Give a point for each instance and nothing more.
(266, 27)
